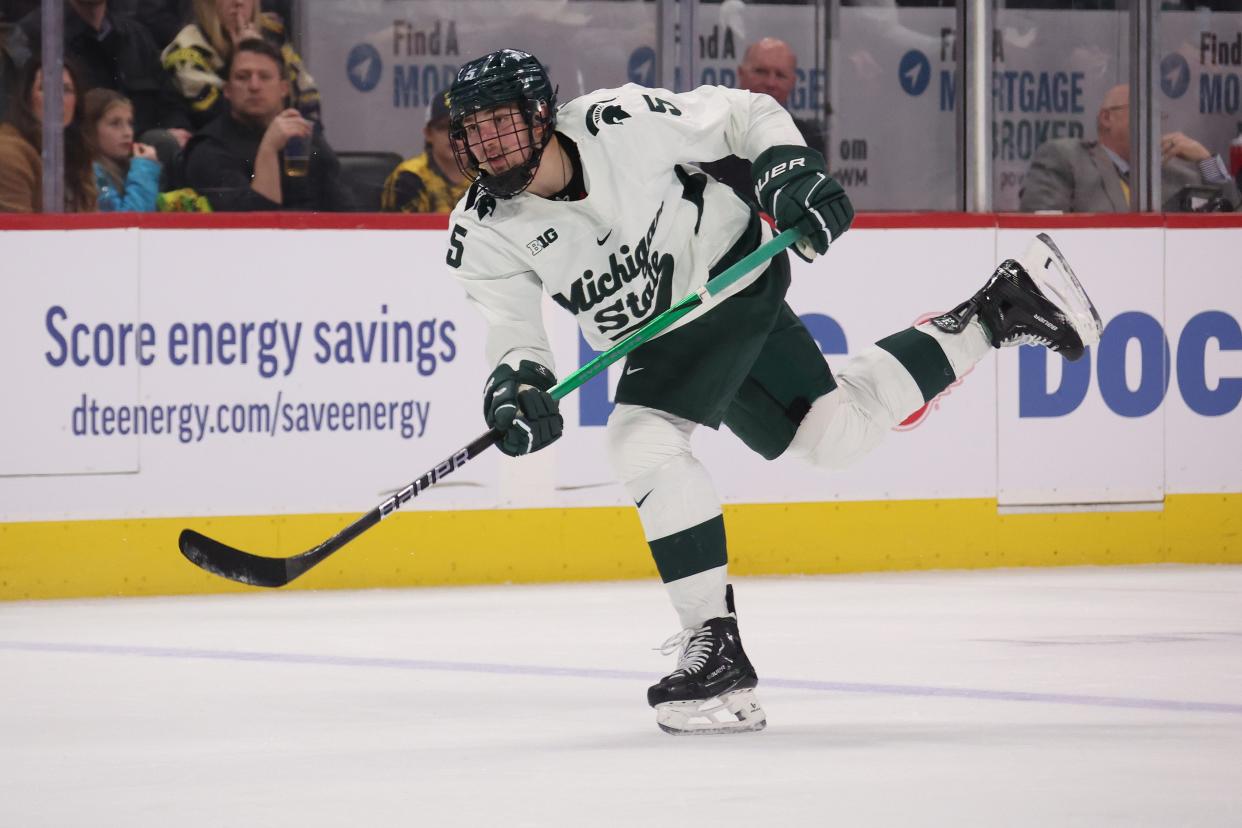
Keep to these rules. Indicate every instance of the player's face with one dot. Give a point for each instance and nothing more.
(498, 138)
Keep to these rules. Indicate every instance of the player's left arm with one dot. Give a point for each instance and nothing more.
(791, 179)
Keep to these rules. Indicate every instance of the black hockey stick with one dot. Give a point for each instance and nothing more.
(259, 570)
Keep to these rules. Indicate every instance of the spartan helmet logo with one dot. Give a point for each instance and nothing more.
(609, 115)
(486, 205)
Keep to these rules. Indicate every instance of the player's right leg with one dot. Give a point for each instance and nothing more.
(711, 690)
(784, 409)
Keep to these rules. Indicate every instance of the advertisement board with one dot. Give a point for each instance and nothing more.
(268, 385)
(69, 331)
(1203, 330)
(244, 372)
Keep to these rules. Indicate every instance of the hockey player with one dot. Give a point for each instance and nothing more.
(598, 204)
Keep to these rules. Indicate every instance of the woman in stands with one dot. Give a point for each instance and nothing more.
(127, 174)
(21, 147)
(197, 56)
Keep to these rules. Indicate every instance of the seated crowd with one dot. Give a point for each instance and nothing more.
(222, 116)
(206, 105)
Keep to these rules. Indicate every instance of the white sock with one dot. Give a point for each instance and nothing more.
(699, 597)
(963, 349)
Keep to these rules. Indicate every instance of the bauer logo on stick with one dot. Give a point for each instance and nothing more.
(428, 480)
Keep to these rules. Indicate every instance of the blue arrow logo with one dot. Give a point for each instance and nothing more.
(914, 72)
(364, 66)
(1174, 75)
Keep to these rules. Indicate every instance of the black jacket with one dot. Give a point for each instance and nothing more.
(220, 165)
(125, 59)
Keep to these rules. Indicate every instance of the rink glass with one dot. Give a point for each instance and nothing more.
(879, 80)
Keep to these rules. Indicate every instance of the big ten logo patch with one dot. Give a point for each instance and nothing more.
(537, 244)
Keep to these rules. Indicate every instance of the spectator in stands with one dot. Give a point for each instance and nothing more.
(196, 58)
(21, 143)
(238, 160)
(127, 174)
(1077, 176)
(431, 182)
(117, 52)
(771, 67)
(768, 66)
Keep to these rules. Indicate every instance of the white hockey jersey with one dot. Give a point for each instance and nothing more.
(647, 234)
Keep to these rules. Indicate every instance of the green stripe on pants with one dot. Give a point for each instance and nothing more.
(691, 551)
(922, 356)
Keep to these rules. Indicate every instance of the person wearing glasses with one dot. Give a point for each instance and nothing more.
(1073, 175)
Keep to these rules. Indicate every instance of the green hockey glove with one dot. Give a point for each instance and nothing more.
(794, 188)
(518, 403)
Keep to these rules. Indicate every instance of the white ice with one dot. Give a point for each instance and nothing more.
(1013, 697)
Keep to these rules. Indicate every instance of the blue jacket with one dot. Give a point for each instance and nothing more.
(142, 185)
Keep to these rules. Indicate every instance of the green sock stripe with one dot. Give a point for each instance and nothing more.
(691, 551)
(922, 356)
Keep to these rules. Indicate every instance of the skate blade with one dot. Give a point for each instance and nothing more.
(1062, 287)
(735, 712)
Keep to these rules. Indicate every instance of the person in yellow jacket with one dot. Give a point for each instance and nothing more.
(197, 56)
(430, 182)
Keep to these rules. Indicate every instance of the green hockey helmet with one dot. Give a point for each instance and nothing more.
(501, 154)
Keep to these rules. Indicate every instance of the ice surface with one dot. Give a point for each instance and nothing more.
(1011, 697)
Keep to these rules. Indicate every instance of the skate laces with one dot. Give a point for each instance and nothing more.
(694, 645)
(1028, 339)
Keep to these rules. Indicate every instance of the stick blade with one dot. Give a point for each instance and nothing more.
(234, 564)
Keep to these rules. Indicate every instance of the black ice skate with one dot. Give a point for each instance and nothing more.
(1036, 300)
(712, 689)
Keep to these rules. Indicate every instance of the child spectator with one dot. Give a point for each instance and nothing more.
(21, 147)
(430, 182)
(127, 174)
(197, 57)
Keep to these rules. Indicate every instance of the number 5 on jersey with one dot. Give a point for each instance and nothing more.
(456, 248)
(661, 105)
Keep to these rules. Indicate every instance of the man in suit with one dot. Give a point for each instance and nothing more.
(1077, 176)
